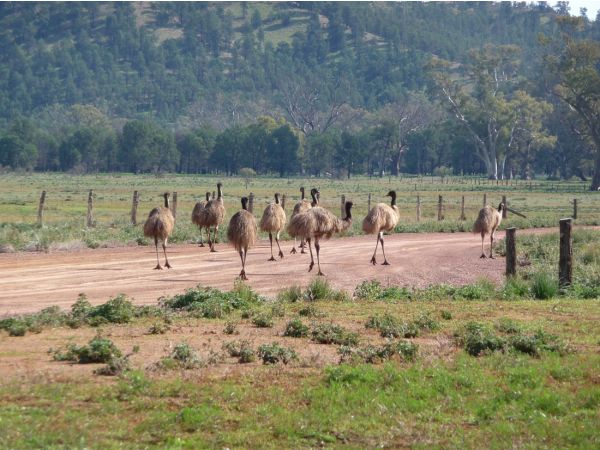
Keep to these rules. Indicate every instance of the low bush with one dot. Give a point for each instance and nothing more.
(275, 354)
(295, 328)
(241, 350)
(183, 356)
(333, 334)
(544, 286)
(263, 320)
(371, 354)
(98, 350)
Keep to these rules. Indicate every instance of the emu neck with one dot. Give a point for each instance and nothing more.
(207, 196)
(167, 202)
(302, 193)
(277, 199)
(219, 194)
(245, 204)
(315, 202)
(393, 200)
(348, 214)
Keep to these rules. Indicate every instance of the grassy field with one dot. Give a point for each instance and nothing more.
(544, 203)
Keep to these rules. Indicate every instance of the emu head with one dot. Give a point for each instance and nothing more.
(245, 203)
(501, 207)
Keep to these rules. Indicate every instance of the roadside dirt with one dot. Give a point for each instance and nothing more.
(32, 281)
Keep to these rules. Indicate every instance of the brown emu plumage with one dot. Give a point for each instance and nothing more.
(198, 217)
(302, 206)
(241, 233)
(381, 218)
(213, 216)
(487, 222)
(317, 223)
(273, 221)
(159, 226)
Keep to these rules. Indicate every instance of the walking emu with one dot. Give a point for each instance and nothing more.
(198, 217)
(381, 218)
(159, 226)
(213, 215)
(487, 222)
(302, 206)
(273, 221)
(242, 233)
(317, 223)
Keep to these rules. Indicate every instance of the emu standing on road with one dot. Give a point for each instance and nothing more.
(159, 225)
(197, 217)
(273, 221)
(487, 222)
(381, 218)
(242, 233)
(317, 223)
(302, 206)
(213, 215)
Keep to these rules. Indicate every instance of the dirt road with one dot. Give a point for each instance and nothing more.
(31, 281)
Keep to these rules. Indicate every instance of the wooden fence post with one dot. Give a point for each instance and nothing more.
(511, 252)
(440, 208)
(462, 209)
(484, 200)
(174, 206)
(418, 208)
(574, 209)
(504, 211)
(369, 202)
(343, 209)
(565, 261)
(283, 201)
(251, 203)
(90, 210)
(40, 217)
(134, 206)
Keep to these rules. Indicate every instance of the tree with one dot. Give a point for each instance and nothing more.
(16, 153)
(282, 148)
(145, 147)
(483, 109)
(575, 70)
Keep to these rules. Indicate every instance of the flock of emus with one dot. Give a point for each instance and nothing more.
(309, 222)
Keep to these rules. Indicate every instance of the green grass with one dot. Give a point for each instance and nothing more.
(66, 206)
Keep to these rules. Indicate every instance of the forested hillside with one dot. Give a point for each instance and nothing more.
(322, 87)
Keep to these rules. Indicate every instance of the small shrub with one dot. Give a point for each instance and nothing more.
(538, 342)
(481, 290)
(115, 366)
(310, 311)
(263, 320)
(241, 350)
(17, 329)
(98, 350)
(424, 321)
(370, 354)
(230, 328)
(508, 326)
(183, 356)
(295, 328)
(292, 294)
(158, 328)
(333, 334)
(278, 310)
(116, 310)
(318, 289)
(544, 286)
(515, 288)
(275, 353)
(446, 315)
(478, 338)
(368, 290)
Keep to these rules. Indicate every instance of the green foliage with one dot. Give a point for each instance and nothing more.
(544, 286)
(371, 354)
(275, 354)
(296, 328)
(98, 350)
(391, 327)
(117, 310)
(263, 320)
(330, 333)
(183, 356)
(372, 290)
(290, 294)
(241, 350)
(230, 328)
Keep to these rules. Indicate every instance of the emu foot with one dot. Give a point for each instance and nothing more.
(385, 263)
(303, 252)
(272, 258)
(201, 244)
(311, 265)
(373, 260)
(319, 273)
(280, 254)
(483, 256)
(293, 251)
(167, 265)
(212, 249)
(492, 257)
(158, 267)
(243, 275)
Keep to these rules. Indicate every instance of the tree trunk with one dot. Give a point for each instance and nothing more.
(596, 178)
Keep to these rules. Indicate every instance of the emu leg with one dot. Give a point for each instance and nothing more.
(272, 258)
(164, 245)
(318, 247)
(244, 277)
(303, 245)
(385, 263)
(312, 261)
(293, 251)
(214, 241)
(158, 267)
(278, 246)
(216, 234)
(243, 272)
(201, 240)
(492, 246)
(482, 252)
(373, 260)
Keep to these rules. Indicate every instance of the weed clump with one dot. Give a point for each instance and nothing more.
(543, 286)
(373, 290)
(183, 356)
(392, 327)
(292, 294)
(241, 350)
(275, 354)
(230, 328)
(97, 350)
(263, 320)
(333, 334)
(295, 328)
(371, 354)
